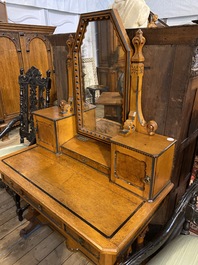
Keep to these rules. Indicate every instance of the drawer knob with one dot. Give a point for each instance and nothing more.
(40, 208)
(11, 183)
(81, 241)
(21, 193)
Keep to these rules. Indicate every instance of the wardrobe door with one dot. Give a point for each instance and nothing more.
(37, 51)
(10, 64)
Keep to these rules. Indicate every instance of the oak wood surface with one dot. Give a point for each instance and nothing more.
(79, 197)
(89, 149)
(152, 145)
(109, 98)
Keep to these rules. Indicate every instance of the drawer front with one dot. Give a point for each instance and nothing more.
(34, 203)
(82, 244)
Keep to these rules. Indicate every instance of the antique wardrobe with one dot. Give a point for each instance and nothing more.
(26, 46)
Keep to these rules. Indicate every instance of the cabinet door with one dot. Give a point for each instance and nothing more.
(37, 52)
(1, 108)
(45, 133)
(10, 64)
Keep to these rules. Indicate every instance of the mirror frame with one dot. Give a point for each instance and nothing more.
(112, 15)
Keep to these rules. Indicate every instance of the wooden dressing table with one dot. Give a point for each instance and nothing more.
(100, 191)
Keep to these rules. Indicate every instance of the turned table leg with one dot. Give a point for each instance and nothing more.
(31, 216)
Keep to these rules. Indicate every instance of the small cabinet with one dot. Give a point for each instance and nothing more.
(52, 129)
(142, 163)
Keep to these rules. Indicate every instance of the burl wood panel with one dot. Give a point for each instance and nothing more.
(133, 174)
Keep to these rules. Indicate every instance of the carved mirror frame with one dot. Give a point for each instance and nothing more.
(84, 21)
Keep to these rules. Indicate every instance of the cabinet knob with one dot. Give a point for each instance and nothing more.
(147, 180)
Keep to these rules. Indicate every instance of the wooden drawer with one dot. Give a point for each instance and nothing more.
(33, 202)
(81, 243)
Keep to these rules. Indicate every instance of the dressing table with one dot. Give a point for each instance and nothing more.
(98, 180)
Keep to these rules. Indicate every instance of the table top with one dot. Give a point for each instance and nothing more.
(80, 196)
(110, 98)
(97, 87)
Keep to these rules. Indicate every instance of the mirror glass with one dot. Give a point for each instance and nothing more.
(101, 67)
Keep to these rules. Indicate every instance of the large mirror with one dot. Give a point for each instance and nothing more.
(101, 70)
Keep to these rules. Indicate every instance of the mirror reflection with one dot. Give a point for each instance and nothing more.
(103, 64)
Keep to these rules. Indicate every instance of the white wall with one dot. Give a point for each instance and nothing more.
(175, 12)
(64, 14)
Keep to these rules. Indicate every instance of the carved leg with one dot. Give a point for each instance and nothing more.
(190, 212)
(93, 96)
(20, 210)
(31, 216)
(71, 244)
(140, 239)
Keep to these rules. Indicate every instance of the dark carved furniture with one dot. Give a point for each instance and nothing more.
(34, 95)
(179, 223)
(92, 89)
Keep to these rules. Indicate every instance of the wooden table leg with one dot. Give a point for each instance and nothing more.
(31, 216)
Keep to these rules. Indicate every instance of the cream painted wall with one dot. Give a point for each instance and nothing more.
(64, 14)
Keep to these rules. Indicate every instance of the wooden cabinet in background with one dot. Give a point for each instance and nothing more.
(111, 57)
(60, 53)
(22, 46)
